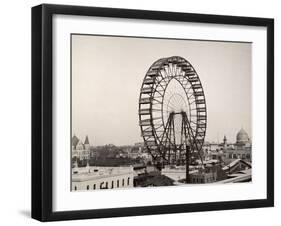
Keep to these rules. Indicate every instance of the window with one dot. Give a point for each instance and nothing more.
(88, 187)
(94, 187)
(117, 183)
(75, 188)
(123, 182)
(128, 181)
(112, 184)
(106, 185)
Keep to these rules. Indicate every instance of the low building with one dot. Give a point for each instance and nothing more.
(203, 178)
(178, 173)
(153, 180)
(241, 176)
(94, 178)
(211, 172)
(236, 165)
(174, 172)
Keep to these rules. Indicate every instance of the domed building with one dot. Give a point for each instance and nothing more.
(241, 149)
(242, 137)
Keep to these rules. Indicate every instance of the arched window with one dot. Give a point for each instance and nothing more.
(112, 184)
(123, 182)
(94, 187)
(75, 188)
(128, 181)
(117, 183)
(88, 187)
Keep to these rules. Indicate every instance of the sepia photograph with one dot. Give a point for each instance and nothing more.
(152, 112)
(141, 112)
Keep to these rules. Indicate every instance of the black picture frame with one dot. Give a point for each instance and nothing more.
(42, 106)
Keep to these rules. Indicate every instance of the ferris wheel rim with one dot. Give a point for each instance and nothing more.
(155, 70)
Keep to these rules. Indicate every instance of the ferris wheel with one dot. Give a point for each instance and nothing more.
(172, 112)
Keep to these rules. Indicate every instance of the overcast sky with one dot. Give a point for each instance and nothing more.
(107, 74)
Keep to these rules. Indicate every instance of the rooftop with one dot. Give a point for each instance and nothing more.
(90, 173)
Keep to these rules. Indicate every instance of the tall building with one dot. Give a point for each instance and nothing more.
(80, 150)
(224, 141)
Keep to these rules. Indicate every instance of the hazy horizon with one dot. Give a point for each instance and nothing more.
(107, 74)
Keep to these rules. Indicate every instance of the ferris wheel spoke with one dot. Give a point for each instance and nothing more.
(190, 95)
(161, 85)
(190, 88)
(165, 72)
(173, 105)
(169, 69)
(173, 69)
(158, 101)
(192, 102)
(159, 93)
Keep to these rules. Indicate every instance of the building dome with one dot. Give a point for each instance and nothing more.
(242, 137)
